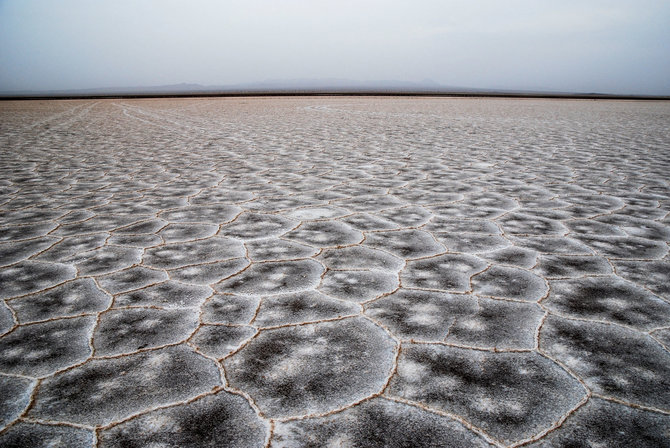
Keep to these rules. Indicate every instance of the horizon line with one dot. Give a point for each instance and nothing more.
(5, 96)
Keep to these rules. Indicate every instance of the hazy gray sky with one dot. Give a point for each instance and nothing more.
(568, 45)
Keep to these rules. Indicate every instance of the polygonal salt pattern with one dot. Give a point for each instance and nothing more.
(207, 273)
(25, 434)
(513, 256)
(301, 307)
(11, 252)
(325, 234)
(498, 325)
(571, 266)
(604, 423)
(219, 341)
(251, 226)
(523, 224)
(30, 276)
(73, 245)
(509, 283)
(18, 233)
(81, 296)
(106, 260)
(471, 242)
(14, 397)
(40, 349)
(508, 256)
(274, 277)
(276, 249)
(211, 213)
(177, 255)
(608, 299)
(612, 360)
(316, 368)
(360, 257)
(95, 394)
(421, 315)
(169, 294)
(132, 278)
(221, 419)
(405, 244)
(179, 233)
(512, 396)
(129, 330)
(626, 247)
(6, 318)
(374, 423)
(653, 275)
(229, 309)
(358, 286)
(451, 272)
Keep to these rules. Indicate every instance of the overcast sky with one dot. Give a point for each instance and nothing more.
(609, 46)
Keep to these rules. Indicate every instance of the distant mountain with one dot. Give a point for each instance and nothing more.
(299, 84)
(308, 86)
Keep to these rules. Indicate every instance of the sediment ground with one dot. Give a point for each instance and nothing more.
(334, 272)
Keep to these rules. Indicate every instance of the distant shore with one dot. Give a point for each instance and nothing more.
(291, 93)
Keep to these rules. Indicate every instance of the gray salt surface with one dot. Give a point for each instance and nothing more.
(334, 271)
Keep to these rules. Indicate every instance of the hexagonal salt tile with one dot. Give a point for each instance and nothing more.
(207, 273)
(449, 272)
(179, 233)
(608, 299)
(654, 275)
(208, 214)
(358, 286)
(177, 255)
(276, 249)
(14, 251)
(41, 349)
(625, 246)
(169, 294)
(376, 422)
(221, 419)
(313, 368)
(423, 315)
(31, 276)
(306, 306)
(251, 226)
(128, 330)
(325, 234)
(73, 245)
(218, 341)
(604, 423)
(14, 398)
(25, 434)
(360, 257)
(130, 279)
(497, 324)
(229, 309)
(274, 277)
(514, 256)
(612, 360)
(106, 259)
(564, 266)
(80, 296)
(405, 244)
(95, 393)
(509, 283)
(512, 396)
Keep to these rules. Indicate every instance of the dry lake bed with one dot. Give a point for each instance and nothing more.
(334, 271)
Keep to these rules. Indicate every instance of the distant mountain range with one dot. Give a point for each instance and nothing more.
(327, 84)
(297, 86)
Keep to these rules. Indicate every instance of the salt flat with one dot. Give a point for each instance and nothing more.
(334, 272)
